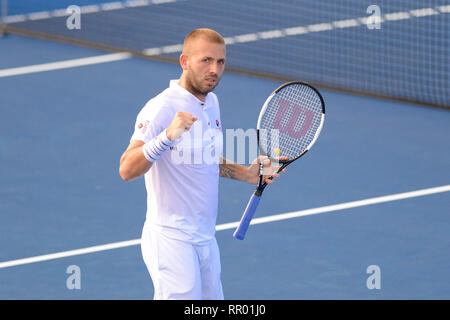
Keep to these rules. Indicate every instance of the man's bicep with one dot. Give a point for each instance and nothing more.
(133, 145)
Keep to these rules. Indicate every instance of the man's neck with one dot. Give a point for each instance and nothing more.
(182, 83)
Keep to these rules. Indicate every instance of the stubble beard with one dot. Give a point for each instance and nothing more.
(194, 85)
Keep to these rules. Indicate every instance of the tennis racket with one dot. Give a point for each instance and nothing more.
(289, 124)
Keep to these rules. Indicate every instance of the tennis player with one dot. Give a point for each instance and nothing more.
(178, 238)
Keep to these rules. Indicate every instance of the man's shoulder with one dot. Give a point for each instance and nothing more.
(214, 98)
(159, 103)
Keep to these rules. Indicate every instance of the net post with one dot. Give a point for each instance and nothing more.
(4, 7)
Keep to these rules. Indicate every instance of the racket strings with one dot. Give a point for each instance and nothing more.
(290, 121)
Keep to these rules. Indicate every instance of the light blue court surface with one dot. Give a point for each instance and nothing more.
(62, 133)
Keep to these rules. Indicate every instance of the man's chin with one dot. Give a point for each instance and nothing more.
(205, 88)
(210, 87)
(205, 91)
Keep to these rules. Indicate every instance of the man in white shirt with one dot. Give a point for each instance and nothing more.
(177, 145)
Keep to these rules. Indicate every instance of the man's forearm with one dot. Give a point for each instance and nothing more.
(229, 169)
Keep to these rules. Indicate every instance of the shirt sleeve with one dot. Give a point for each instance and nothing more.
(150, 122)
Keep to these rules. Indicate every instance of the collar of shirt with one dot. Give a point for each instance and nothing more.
(174, 85)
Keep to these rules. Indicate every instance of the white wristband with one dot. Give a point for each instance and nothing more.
(156, 147)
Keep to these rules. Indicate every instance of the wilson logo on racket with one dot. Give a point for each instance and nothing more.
(297, 113)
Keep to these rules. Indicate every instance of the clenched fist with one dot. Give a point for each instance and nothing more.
(181, 123)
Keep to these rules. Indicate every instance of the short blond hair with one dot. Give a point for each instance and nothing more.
(204, 33)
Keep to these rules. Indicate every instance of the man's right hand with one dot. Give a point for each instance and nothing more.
(181, 123)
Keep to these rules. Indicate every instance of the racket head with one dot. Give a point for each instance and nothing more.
(290, 121)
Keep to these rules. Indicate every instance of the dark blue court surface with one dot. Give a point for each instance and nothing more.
(62, 133)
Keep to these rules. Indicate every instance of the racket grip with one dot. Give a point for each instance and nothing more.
(247, 217)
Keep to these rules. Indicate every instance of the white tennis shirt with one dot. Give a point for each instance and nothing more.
(182, 185)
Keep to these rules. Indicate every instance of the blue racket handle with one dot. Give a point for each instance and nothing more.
(247, 217)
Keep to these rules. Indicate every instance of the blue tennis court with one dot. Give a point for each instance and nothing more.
(372, 193)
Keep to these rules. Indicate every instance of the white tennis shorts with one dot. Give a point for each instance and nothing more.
(181, 270)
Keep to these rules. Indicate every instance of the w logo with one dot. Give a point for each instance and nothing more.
(290, 125)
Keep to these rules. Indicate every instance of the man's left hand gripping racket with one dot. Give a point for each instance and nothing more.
(288, 125)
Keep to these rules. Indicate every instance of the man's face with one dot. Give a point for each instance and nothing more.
(204, 65)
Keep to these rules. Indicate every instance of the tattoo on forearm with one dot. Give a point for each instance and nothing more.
(228, 169)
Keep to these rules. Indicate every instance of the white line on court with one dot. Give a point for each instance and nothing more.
(65, 64)
(225, 226)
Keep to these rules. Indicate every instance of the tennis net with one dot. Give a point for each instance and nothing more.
(398, 49)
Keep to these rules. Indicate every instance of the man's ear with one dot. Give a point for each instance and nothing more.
(183, 61)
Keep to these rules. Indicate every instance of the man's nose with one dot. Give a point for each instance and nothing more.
(214, 68)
